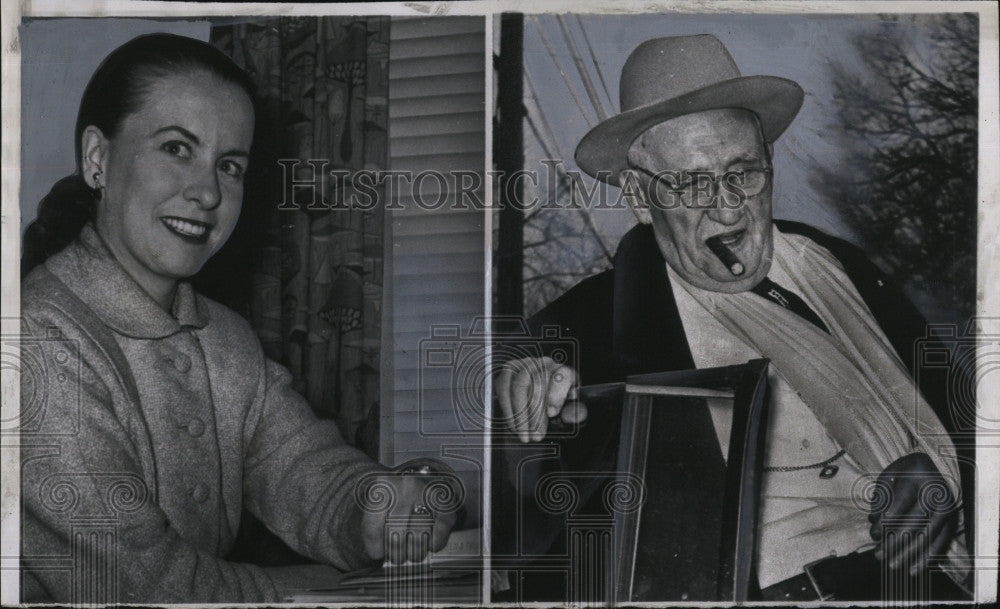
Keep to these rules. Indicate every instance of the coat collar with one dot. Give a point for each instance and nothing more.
(648, 335)
(90, 270)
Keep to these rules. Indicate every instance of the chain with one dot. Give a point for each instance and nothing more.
(795, 468)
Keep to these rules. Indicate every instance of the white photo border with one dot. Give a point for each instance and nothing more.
(988, 250)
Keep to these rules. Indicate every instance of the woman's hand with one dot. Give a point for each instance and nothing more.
(423, 508)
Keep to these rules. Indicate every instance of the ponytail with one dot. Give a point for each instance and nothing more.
(62, 214)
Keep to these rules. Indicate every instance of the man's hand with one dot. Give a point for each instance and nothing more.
(917, 502)
(417, 527)
(533, 390)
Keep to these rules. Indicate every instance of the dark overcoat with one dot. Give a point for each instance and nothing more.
(625, 321)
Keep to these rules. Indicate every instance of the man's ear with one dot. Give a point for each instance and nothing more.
(770, 150)
(635, 195)
(93, 154)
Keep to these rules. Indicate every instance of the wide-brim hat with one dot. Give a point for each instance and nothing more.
(665, 78)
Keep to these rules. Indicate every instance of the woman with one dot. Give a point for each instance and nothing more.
(160, 415)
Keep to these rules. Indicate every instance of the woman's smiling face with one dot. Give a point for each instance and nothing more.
(173, 176)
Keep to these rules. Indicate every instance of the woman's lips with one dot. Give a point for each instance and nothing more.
(191, 231)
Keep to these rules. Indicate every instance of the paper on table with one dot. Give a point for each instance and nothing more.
(453, 572)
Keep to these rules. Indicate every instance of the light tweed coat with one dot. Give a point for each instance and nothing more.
(137, 460)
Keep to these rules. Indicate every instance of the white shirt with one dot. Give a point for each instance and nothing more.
(802, 517)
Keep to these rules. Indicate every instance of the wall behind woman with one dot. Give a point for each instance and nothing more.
(59, 57)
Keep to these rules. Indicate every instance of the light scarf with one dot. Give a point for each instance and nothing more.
(851, 379)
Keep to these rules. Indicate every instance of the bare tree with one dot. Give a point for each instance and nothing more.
(561, 247)
(908, 183)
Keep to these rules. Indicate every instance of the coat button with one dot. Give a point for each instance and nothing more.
(200, 492)
(181, 362)
(196, 427)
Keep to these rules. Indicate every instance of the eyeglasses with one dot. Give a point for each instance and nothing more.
(671, 189)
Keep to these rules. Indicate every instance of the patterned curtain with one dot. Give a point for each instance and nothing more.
(317, 278)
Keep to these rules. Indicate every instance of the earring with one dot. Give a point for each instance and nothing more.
(97, 184)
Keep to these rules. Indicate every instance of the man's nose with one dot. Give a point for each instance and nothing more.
(726, 214)
(203, 189)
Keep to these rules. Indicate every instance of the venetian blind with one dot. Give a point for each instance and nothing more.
(436, 123)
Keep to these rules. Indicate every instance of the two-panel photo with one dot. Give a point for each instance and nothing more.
(483, 303)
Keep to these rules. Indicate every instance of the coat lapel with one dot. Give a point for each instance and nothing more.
(648, 335)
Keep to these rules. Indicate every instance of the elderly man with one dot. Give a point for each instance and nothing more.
(709, 279)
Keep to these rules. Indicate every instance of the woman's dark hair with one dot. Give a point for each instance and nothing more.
(116, 90)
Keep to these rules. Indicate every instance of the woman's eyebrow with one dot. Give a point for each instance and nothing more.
(194, 138)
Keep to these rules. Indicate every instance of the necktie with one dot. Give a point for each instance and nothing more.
(775, 293)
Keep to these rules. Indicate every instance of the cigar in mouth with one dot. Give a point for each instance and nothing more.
(726, 255)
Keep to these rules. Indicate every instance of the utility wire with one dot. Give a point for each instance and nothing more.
(562, 72)
(593, 58)
(552, 151)
(588, 84)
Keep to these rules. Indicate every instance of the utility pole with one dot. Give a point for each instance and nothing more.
(508, 156)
